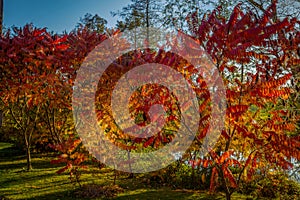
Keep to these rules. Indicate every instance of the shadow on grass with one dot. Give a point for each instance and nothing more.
(28, 177)
(63, 195)
(13, 158)
(43, 183)
(19, 162)
(10, 153)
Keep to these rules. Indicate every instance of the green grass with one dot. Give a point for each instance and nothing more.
(43, 183)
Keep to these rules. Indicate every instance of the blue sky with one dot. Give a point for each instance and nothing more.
(58, 15)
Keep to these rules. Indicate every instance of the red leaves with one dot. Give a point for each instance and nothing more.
(149, 142)
(233, 18)
(213, 179)
(60, 40)
(231, 94)
(64, 169)
(62, 47)
(30, 102)
(277, 82)
(253, 54)
(38, 32)
(33, 61)
(249, 159)
(236, 110)
(225, 135)
(60, 43)
(225, 156)
(220, 166)
(228, 174)
(70, 155)
(232, 44)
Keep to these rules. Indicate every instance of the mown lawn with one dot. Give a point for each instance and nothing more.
(43, 183)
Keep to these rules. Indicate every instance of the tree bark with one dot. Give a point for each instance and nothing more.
(1, 118)
(228, 196)
(28, 157)
(147, 22)
(1, 16)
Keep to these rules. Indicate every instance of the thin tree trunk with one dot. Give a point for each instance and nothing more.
(223, 181)
(1, 117)
(28, 157)
(228, 196)
(131, 175)
(1, 16)
(147, 22)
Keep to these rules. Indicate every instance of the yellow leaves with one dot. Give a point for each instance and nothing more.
(285, 96)
(64, 155)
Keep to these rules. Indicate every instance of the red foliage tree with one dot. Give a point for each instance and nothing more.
(254, 54)
(31, 59)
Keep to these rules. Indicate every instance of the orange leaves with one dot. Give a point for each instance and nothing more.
(253, 54)
(279, 127)
(228, 174)
(277, 82)
(191, 69)
(203, 106)
(125, 147)
(70, 155)
(225, 158)
(206, 163)
(272, 93)
(283, 145)
(236, 110)
(203, 132)
(213, 179)
(30, 102)
(38, 32)
(60, 40)
(220, 166)
(245, 133)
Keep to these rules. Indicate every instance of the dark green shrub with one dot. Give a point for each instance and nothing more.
(272, 186)
(180, 175)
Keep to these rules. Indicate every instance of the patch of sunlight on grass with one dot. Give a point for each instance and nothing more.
(5, 145)
(43, 182)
